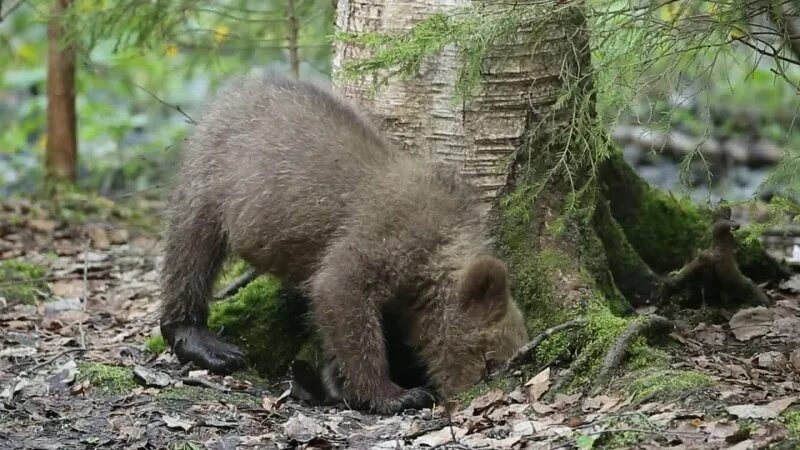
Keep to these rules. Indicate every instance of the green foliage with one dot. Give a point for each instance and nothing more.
(473, 30)
(112, 380)
(664, 383)
(20, 281)
(268, 323)
(139, 62)
(155, 344)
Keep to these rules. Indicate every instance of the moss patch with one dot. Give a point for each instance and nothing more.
(232, 270)
(269, 323)
(155, 344)
(663, 384)
(20, 280)
(110, 379)
(791, 418)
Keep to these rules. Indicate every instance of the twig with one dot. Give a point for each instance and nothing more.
(663, 433)
(525, 354)
(10, 9)
(85, 290)
(620, 348)
(52, 359)
(237, 284)
(294, 27)
(194, 381)
(174, 106)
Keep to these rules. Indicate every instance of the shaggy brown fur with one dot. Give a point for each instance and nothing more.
(298, 183)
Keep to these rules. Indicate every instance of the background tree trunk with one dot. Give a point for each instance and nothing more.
(62, 143)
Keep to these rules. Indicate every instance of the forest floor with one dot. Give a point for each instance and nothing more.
(75, 375)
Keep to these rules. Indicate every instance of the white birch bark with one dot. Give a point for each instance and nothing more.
(518, 78)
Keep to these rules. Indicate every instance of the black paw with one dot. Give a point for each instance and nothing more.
(202, 347)
(415, 398)
(307, 384)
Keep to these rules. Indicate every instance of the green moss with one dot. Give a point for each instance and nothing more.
(644, 356)
(626, 439)
(791, 418)
(666, 231)
(188, 445)
(110, 379)
(233, 269)
(663, 384)
(155, 344)
(20, 281)
(268, 323)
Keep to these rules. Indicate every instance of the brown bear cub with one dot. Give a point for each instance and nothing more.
(293, 179)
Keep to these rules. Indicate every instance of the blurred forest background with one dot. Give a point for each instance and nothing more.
(143, 70)
(720, 124)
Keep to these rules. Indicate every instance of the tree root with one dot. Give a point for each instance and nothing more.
(237, 284)
(715, 270)
(622, 345)
(525, 354)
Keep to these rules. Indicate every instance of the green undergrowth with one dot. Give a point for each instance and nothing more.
(791, 418)
(20, 281)
(75, 206)
(268, 322)
(662, 384)
(155, 344)
(113, 380)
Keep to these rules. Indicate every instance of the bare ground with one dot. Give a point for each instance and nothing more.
(67, 374)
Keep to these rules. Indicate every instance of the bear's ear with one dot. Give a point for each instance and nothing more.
(484, 288)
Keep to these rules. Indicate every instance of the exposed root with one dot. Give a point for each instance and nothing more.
(620, 348)
(237, 284)
(525, 354)
(715, 270)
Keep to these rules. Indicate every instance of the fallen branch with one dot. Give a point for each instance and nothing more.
(237, 284)
(53, 359)
(622, 345)
(525, 354)
(202, 382)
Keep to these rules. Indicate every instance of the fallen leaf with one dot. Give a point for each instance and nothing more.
(18, 352)
(538, 385)
(771, 360)
(272, 403)
(67, 288)
(150, 377)
(99, 238)
(487, 400)
(601, 402)
(794, 359)
(176, 422)
(42, 225)
(440, 437)
(119, 236)
(302, 428)
(751, 322)
(769, 411)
